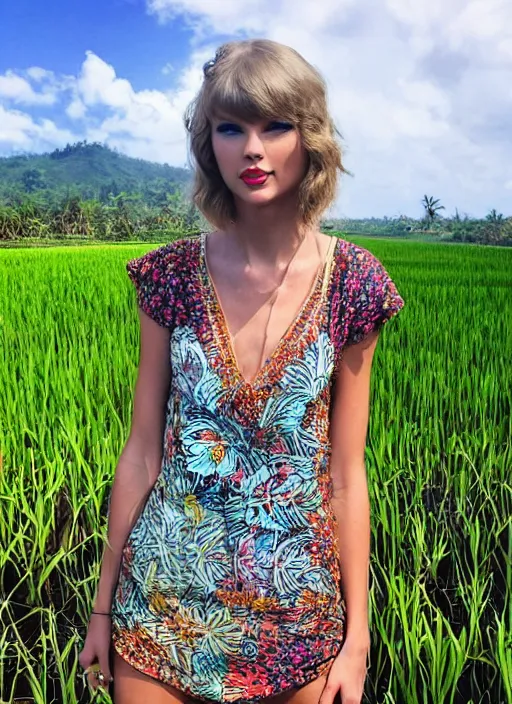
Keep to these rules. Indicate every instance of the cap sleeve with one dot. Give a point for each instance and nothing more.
(374, 297)
(151, 276)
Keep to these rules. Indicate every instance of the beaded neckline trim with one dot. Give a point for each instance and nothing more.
(298, 326)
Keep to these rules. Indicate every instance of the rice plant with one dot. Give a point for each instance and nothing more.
(438, 460)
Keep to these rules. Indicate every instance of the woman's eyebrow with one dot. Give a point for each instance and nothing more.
(225, 118)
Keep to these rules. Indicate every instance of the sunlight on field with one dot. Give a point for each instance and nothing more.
(438, 459)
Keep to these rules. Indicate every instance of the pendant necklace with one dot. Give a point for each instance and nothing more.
(273, 298)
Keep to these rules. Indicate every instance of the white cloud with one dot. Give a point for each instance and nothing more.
(250, 17)
(487, 21)
(228, 16)
(98, 84)
(36, 73)
(146, 123)
(14, 87)
(76, 110)
(20, 132)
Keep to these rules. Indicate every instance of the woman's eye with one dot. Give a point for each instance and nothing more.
(227, 127)
(280, 125)
(275, 125)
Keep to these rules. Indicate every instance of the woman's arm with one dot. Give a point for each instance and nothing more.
(350, 501)
(140, 461)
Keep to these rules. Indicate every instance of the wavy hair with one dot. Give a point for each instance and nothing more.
(260, 79)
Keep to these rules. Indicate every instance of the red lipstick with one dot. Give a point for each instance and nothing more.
(254, 176)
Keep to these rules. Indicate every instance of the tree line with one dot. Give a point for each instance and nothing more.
(493, 229)
(122, 216)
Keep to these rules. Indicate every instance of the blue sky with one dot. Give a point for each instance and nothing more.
(57, 34)
(420, 90)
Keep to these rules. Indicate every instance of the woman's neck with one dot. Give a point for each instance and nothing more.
(269, 238)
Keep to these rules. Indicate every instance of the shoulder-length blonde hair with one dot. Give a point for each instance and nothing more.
(262, 79)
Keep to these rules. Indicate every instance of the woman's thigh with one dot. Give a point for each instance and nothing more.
(133, 687)
(308, 694)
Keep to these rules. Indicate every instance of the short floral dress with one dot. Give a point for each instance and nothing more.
(229, 586)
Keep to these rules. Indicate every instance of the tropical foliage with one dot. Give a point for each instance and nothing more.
(122, 218)
(91, 171)
(494, 229)
(432, 208)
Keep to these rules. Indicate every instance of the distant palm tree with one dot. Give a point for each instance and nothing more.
(494, 216)
(431, 208)
(493, 232)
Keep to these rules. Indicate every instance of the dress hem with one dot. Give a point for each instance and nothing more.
(254, 700)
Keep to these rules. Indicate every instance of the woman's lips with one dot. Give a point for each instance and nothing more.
(255, 179)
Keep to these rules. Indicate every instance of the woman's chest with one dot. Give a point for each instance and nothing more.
(258, 333)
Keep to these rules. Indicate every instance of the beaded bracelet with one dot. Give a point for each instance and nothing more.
(100, 613)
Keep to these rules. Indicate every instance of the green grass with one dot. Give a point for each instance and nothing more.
(438, 458)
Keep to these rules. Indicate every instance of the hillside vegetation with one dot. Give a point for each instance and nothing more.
(91, 171)
(89, 192)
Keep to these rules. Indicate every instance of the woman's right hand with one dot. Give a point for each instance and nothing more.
(95, 654)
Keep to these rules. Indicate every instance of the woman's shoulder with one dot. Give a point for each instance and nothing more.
(160, 275)
(359, 270)
(364, 294)
(357, 260)
(168, 259)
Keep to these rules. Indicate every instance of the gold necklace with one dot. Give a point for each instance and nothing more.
(212, 298)
(273, 298)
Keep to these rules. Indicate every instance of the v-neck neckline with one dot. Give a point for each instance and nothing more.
(218, 321)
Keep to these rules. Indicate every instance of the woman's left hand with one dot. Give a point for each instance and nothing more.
(348, 673)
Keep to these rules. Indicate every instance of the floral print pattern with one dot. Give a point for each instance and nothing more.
(229, 586)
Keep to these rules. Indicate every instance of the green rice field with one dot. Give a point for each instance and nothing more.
(439, 460)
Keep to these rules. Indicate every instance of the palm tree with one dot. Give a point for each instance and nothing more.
(494, 216)
(493, 231)
(431, 208)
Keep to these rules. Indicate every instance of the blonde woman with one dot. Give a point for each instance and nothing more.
(238, 546)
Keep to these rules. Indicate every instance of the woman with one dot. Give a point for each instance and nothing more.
(239, 530)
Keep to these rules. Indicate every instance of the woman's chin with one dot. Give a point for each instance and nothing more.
(260, 198)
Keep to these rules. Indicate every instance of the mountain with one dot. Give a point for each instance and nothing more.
(91, 170)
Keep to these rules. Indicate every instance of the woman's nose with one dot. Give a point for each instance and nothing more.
(253, 147)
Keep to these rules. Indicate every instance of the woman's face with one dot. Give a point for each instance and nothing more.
(272, 149)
